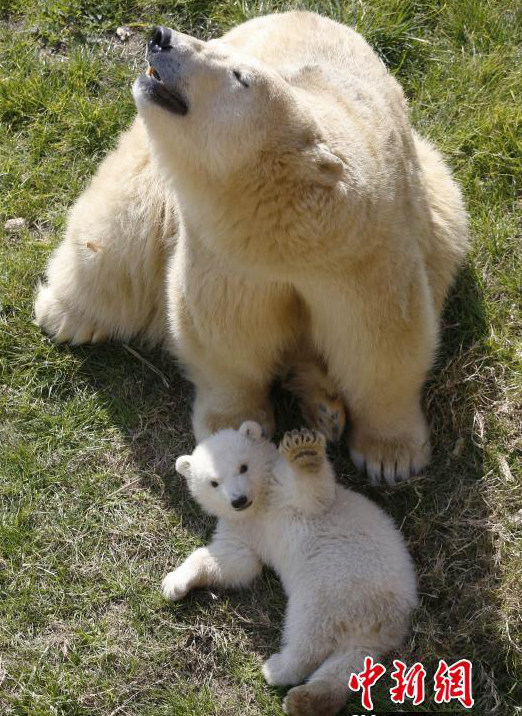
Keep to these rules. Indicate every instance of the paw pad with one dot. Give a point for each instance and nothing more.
(303, 446)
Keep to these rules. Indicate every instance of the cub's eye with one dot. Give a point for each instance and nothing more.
(214, 483)
(240, 78)
(243, 469)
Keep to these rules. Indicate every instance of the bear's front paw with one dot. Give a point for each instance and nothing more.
(304, 448)
(391, 459)
(174, 586)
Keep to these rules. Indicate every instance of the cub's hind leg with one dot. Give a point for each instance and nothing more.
(303, 646)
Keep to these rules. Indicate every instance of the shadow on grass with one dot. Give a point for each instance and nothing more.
(442, 514)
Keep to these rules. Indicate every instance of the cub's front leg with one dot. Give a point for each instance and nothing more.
(304, 450)
(306, 477)
(224, 563)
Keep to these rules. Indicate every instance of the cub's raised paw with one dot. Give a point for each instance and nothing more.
(174, 587)
(304, 448)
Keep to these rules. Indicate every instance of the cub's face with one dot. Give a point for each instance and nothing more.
(205, 104)
(227, 472)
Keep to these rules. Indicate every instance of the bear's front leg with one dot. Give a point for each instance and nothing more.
(223, 563)
(389, 434)
(380, 343)
(229, 402)
(231, 336)
(389, 438)
(231, 330)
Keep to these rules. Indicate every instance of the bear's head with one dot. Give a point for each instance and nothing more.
(227, 472)
(211, 109)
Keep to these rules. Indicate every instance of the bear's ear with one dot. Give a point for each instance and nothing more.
(183, 465)
(252, 430)
(322, 165)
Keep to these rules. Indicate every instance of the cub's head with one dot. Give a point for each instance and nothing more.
(211, 109)
(227, 472)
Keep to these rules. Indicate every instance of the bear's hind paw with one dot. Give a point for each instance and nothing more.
(61, 323)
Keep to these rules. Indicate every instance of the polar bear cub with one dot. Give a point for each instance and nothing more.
(344, 566)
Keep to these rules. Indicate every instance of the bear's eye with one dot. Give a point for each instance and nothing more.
(214, 483)
(243, 469)
(240, 78)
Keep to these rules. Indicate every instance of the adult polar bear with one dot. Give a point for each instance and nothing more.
(274, 177)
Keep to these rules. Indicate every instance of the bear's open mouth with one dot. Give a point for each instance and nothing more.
(161, 94)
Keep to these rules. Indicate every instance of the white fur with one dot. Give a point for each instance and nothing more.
(349, 579)
(297, 222)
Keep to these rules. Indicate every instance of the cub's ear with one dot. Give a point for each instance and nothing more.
(322, 165)
(252, 430)
(183, 465)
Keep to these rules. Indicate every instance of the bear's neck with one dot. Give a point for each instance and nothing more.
(265, 223)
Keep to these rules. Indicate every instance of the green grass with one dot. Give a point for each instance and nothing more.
(92, 512)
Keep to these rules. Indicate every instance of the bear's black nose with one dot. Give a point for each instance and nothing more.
(161, 37)
(239, 502)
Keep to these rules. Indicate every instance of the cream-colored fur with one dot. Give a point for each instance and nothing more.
(306, 225)
(348, 576)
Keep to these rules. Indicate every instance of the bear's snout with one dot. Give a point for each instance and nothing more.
(240, 503)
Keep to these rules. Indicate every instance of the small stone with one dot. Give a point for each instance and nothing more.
(516, 519)
(459, 447)
(52, 55)
(505, 469)
(124, 33)
(14, 226)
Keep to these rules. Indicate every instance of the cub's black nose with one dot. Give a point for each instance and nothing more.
(161, 37)
(239, 502)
